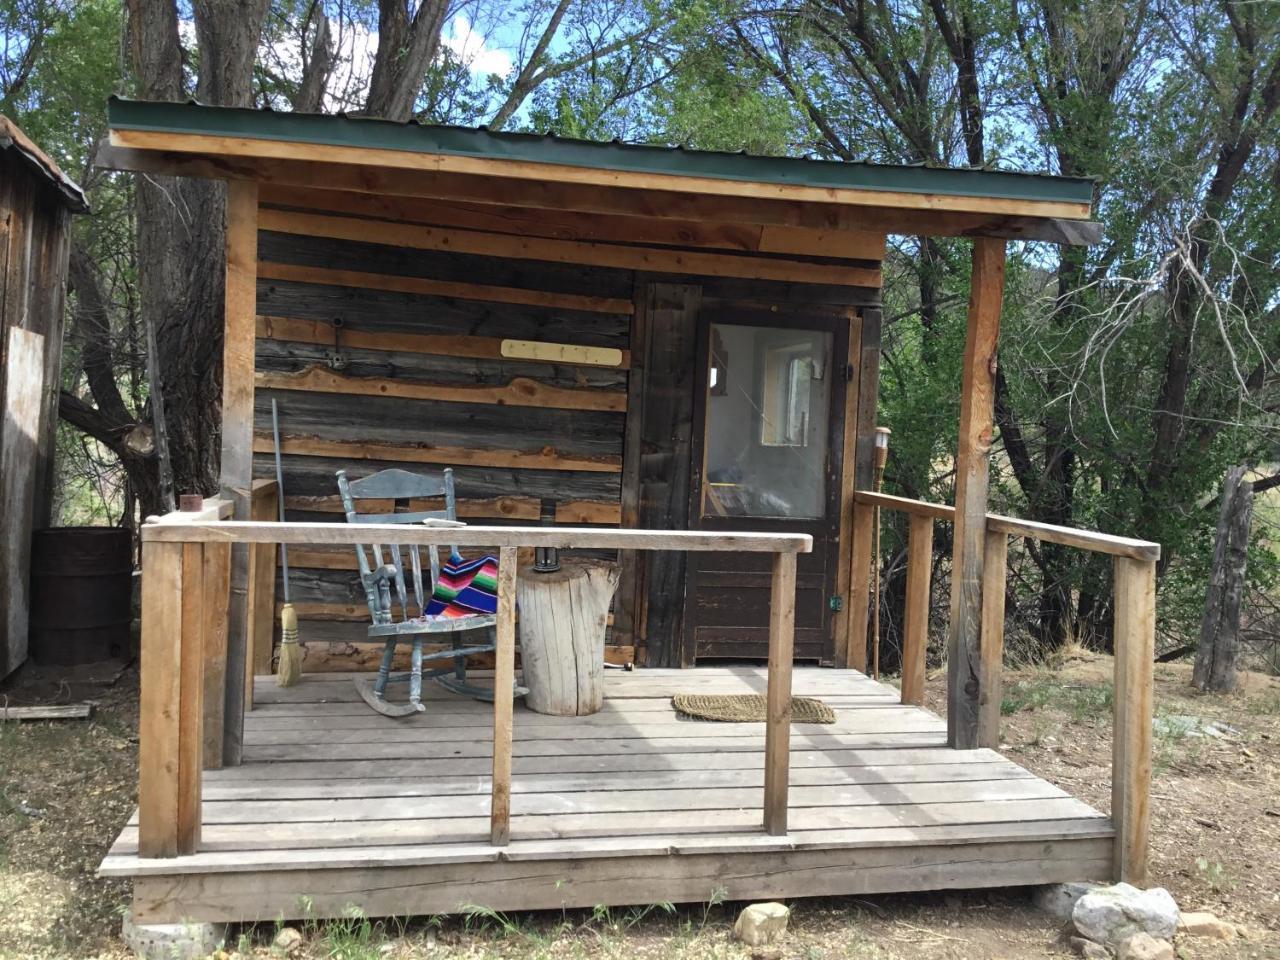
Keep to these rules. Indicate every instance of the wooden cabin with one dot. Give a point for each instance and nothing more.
(674, 356)
(37, 201)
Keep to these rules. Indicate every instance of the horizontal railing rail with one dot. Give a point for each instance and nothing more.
(185, 559)
(1134, 574)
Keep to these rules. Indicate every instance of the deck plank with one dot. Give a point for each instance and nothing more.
(337, 804)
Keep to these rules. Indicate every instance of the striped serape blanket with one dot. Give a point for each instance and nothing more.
(465, 588)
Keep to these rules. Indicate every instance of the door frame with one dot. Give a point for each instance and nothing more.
(844, 326)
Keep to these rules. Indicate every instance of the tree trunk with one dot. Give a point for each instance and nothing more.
(563, 618)
(1219, 647)
(180, 229)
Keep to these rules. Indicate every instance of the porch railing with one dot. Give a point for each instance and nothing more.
(1134, 573)
(185, 559)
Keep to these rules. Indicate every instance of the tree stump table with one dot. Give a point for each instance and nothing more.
(562, 620)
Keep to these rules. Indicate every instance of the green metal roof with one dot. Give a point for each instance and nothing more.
(194, 118)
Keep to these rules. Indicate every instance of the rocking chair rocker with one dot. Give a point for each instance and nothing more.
(380, 574)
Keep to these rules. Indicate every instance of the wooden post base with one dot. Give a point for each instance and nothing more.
(563, 616)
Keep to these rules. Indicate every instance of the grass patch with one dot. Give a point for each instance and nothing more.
(1082, 701)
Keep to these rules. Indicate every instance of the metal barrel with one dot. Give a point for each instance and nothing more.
(81, 593)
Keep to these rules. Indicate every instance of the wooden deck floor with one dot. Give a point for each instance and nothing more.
(335, 806)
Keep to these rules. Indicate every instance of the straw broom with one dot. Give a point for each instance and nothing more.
(289, 669)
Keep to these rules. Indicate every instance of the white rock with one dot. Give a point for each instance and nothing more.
(1059, 899)
(1090, 950)
(761, 924)
(1205, 924)
(172, 941)
(288, 940)
(1110, 915)
(1143, 946)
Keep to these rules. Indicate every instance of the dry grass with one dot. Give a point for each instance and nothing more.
(1216, 844)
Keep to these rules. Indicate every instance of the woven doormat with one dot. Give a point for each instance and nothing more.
(747, 708)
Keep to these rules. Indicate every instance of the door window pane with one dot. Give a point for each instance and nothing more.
(766, 428)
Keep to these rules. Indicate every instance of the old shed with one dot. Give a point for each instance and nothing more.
(36, 203)
(674, 355)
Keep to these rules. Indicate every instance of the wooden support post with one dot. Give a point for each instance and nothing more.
(170, 746)
(977, 406)
(191, 693)
(777, 735)
(915, 628)
(864, 519)
(1135, 650)
(217, 597)
(504, 678)
(261, 601)
(241, 300)
(995, 562)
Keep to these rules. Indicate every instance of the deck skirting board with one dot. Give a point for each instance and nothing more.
(612, 881)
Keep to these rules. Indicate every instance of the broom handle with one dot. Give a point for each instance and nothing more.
(284, 547)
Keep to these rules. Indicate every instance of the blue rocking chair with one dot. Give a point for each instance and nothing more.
(383, 576)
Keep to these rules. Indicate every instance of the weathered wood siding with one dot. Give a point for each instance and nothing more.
(382, 355)
(34, 222)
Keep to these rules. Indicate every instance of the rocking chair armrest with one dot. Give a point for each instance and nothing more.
(386, 572)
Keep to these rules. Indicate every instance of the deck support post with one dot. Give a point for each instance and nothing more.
(915, 627)
(1135, 643)
(777, 736)
(239, 333)
(216, 574)
(170, 751)
(860, 585)
(995, 563)
(261, 604)
(977, 406)
(504, 678)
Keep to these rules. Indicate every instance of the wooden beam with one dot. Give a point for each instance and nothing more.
(160, 701)
(554, 196)
(377, 157)
(237, 435)
(915, 625)
(777, 742)
(653, 259)
(191, 693)
(1016, 527)
(504, 678)
(570, 225)
(397, 283)
(441, 345)
(493, 508)
(977, 405)
(860, 586)
(563, 538)
(1107, 543)
(841, 618)
(217, 599)
(262, 589)
(995, 561)
(545, 459)
(519, 392)
(1135, 642)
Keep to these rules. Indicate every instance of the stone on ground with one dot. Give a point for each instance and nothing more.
(288, 940)
(172, 941)
(1059, 899)
(1204, 924)
(1110, 915)
(761, 924)
(1143, 946)
(1090, 950)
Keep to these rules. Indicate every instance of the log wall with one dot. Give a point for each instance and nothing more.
(34, 241)
(383, 354)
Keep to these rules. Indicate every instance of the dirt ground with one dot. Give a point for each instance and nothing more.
(67, 786)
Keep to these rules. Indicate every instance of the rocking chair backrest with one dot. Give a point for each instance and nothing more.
(401, 488)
